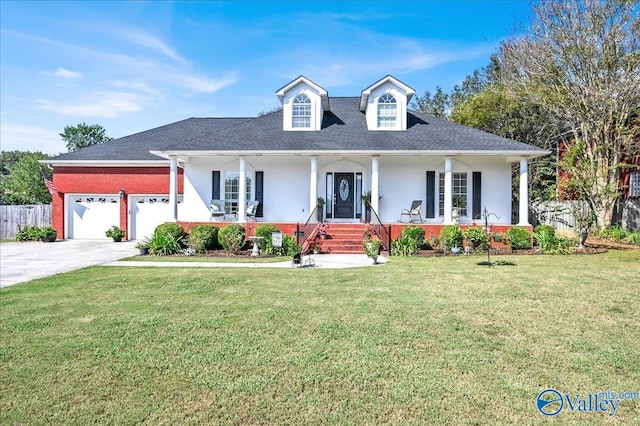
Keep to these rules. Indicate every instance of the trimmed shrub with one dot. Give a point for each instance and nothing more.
(451, 236)
(265, 230)
(477, 237)
(203, 237)
(232, 238)
(173, 229)
(518, 238)
(28, 233)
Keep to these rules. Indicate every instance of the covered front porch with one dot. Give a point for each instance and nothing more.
(335, 188)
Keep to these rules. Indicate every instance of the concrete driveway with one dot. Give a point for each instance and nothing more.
(21, 262)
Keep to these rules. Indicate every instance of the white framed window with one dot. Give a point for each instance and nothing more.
(231, 194)
(634, 184)
(459, 192)
(387, 111)
(301, 111)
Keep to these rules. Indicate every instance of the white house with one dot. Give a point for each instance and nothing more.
(337, 148)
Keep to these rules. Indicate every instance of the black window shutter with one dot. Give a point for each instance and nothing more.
(259, 192)
(215, 185)
(431, 195)
(477, 195)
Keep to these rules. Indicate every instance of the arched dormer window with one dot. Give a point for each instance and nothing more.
(301, 111)
(387, 111)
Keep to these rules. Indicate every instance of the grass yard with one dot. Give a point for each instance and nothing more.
(416, 341)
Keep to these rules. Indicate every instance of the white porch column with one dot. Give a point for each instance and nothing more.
(313, 187)
(375, 191)
(448, 190)
(242, 191)
(524, 193)
(173, 187)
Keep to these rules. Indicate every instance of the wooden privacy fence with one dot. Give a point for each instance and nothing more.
(559, 215)
(14, 217)
(555, 213)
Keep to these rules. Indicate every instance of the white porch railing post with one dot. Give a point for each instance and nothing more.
(524, 194)
(375, 190)
(173, 187)
(242, 191)
(448, 190)
(313, 187)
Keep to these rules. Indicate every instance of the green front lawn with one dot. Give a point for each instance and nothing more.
(416, 341)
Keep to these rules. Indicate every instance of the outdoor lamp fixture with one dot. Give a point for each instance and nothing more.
(121, 193)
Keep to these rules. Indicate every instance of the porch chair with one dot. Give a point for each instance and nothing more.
(252, 208)
(414, 211)
(217, 209)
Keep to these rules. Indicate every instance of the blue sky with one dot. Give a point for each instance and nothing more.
(133, 66)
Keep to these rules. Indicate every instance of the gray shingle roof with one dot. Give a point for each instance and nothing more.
(343, 129)
(136, 147)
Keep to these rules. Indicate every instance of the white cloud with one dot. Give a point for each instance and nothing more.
(146, 40)
(67, 74)
(105, 104)
(206, 85)
(137, 85)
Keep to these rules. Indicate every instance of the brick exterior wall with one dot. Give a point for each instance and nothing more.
(108, 180)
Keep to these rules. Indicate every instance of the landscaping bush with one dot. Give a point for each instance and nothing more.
(544, 229)
(518, 238)
(265, 230)
(451, 236)
(28, 233)
(48, 234)
(114, 232)
(290, 245)
(203, 237)
(632, 238)
(618, 234)
(173, 229)
(414, 232)
(405, 246)
(477, 237)
(232, 238)
(164, 244)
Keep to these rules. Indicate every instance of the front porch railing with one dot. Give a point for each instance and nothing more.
(383, 232)
(305, 234)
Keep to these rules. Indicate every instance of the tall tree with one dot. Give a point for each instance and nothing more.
(442, 104)
(83, 135)
(580, 62)
(438, 104)
(24, 183)
(496, 111)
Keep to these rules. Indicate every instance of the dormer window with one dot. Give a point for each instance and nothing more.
(387, 111)
(301, 111)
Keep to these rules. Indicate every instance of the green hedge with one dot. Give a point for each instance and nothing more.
(203, 237)
(518, 238)
(232, 238)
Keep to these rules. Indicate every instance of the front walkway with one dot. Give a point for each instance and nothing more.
(326, 261)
